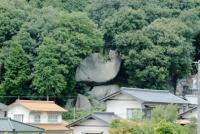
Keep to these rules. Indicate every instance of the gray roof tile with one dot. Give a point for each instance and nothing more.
(8, 125)
(155, 96)
(102, 116)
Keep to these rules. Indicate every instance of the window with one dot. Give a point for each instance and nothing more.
(52, 118)
(134, 113)
(18, 117)
(37, 118)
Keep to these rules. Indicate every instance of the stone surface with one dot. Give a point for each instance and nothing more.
(95, 69)
(83, 103)
(99, 92)
(69, 103)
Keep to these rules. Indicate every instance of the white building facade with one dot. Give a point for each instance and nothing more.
(44, 114)
(131, 102)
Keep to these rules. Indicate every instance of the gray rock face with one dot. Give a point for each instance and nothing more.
(83, 103)
(99, 92)
(69, 103)
(95, 69)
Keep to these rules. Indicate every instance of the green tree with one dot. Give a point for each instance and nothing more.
(75, 5)
(173, 36)
(166, 128)
(192, 19)
(12, 16)
(48, 78)
(99, 10)
(126, 19)
(158, 55)
(121, 126)
(144, 62)
(17, 72)
(68, 5)
(168, 113)
(67, 44)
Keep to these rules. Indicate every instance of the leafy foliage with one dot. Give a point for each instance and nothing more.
(163, 121)
(17, 72)
(54, 42)
(157, 40)
(12, 18)
(68, 5)
(126, 19)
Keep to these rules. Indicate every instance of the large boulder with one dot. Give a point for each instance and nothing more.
(95, 68)
(99, 92)
(83, 103)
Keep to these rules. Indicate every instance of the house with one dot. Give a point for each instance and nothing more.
(43, 114)
(8, 125)
(3, 110)
(192, 99)
(133, 102)
(189, 114)
(95, 123)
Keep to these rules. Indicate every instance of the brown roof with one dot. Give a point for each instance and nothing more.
(34, 105)
(53, 127)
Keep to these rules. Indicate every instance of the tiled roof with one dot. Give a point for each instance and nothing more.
(34, 105)
(8, 125)
(53, 127)
(149, 95)
(106, 117)
(157, 96)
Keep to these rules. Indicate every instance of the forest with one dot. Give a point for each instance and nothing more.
(43, 41)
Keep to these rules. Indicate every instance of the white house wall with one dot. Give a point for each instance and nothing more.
(29, 116)
(91, 126)
(120, 103)
(192, 99)
(44, 117)
(17, 109)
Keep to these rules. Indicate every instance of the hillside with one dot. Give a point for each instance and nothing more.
(43, 42)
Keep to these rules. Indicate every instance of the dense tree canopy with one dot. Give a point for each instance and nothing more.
(43, 41)
(155, 39)
(17, 72)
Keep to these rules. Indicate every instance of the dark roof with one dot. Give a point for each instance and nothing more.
(105, 117)
(9, 125)
(149, 95)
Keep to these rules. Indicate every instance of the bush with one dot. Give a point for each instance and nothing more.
(163, 121)
(120, 126)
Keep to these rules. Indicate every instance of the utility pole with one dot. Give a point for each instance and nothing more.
(198, 97)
